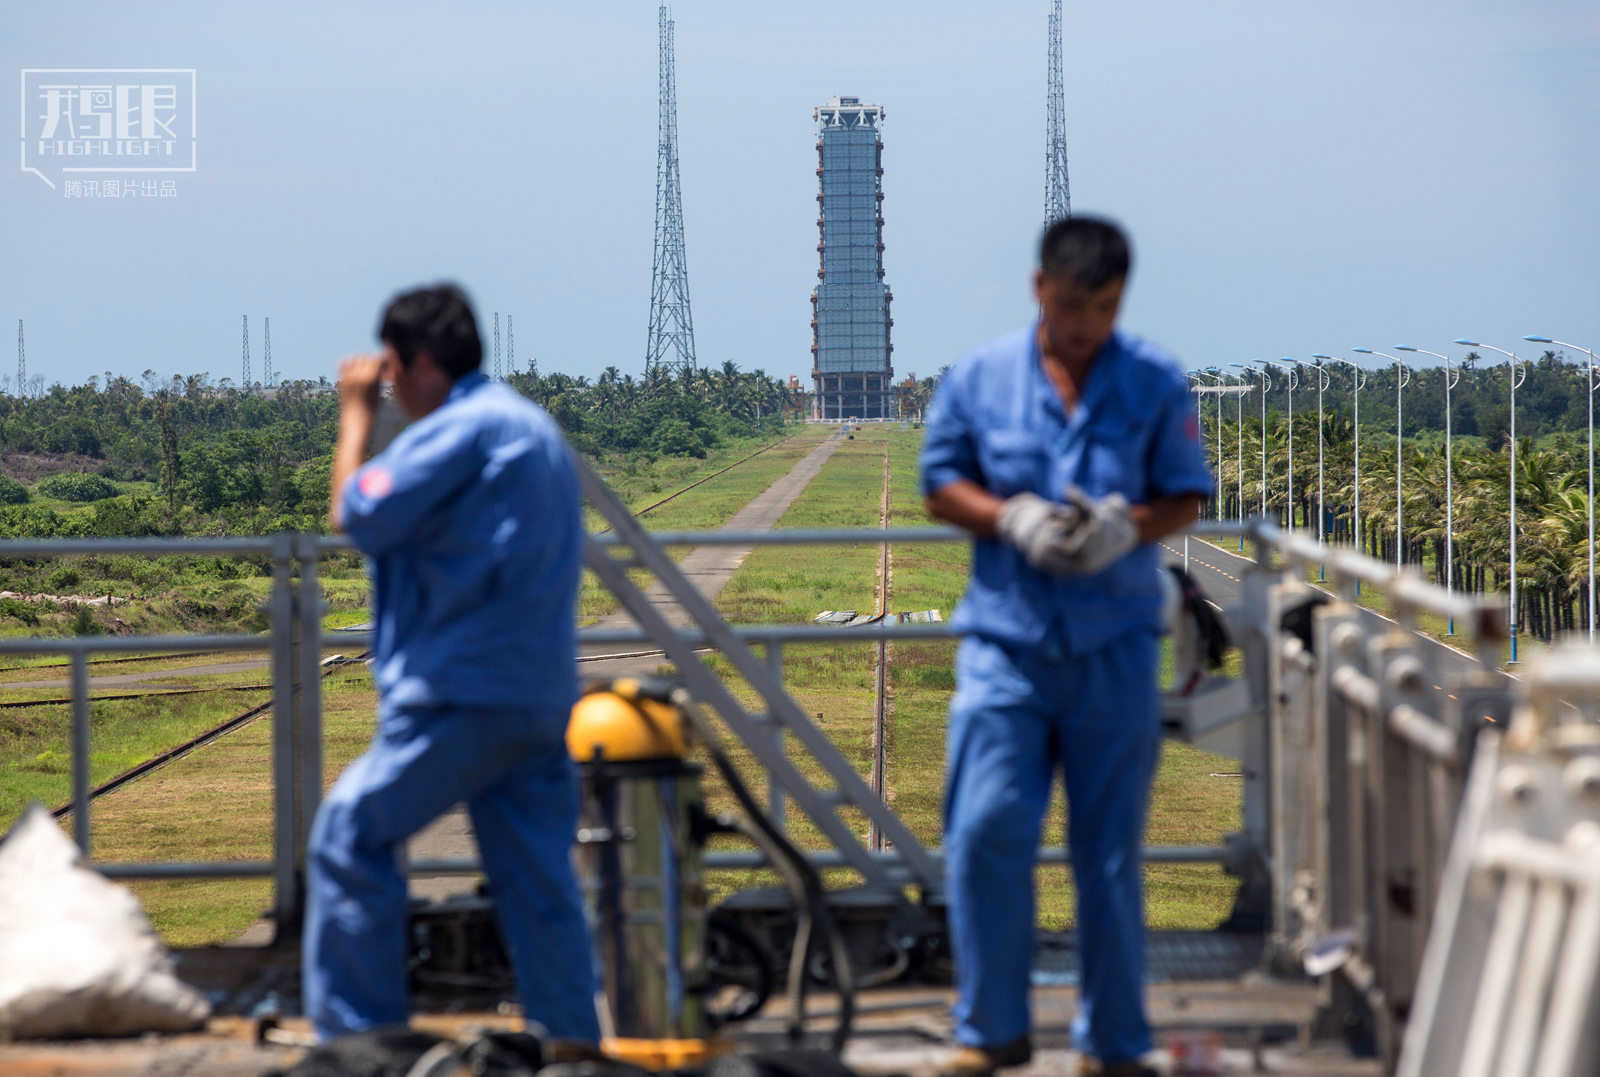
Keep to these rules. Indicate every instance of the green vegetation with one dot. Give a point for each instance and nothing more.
(660, 415)
(12, 492)
(68, 486)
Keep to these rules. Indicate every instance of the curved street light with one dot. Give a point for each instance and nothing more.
(1590, 353)
(1452, 375)
(1239, 467)
(1402, 378)
(1289, 388)
(1359, 380)
(1266, 386)
(1514, 366)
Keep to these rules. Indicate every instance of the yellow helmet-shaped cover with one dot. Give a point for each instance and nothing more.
(626, 720)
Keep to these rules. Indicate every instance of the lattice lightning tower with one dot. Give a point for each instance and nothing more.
(247, 351)
(1057, 191)
(671, 326)
(497, 346)
(511, 350)
(267, 376)
(22, 363)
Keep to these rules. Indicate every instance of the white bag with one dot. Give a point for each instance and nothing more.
(77, 955)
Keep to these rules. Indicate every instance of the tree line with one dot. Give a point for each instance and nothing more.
(1552, 474)
(212, 458)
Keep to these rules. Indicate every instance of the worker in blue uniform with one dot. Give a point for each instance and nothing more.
(1067, 449)
(471, 522)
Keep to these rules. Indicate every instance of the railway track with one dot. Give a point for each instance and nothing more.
(880, 703)
(708, 478)
(155, 762)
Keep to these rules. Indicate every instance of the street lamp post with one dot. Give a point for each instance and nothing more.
(1290, 386)
(1359, 381)
(1324, 379)
(1266, 385)
(1590, 353)
(1514, 366)
(1452, 375)
(1239, 467)
(1402, 378)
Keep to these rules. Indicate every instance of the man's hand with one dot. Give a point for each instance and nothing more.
(1045, 532)
(1105, 533)
(360, 379)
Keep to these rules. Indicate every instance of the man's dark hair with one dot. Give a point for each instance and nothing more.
(1091, 251)
(437, 320)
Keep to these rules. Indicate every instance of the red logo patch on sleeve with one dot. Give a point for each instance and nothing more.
(375, 482)
(1191, 428)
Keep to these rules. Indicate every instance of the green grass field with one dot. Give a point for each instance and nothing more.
(215, 802)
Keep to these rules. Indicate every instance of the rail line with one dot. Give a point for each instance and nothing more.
(113, 661)
(178, 691)
(708, 478)
(880, 704)
(199, 741)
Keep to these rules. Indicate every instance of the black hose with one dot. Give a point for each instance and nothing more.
(804, 885)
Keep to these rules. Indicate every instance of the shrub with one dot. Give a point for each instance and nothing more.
(83, 622)
(64, 579)
(12, 492)
(22, 611)
(78, 487)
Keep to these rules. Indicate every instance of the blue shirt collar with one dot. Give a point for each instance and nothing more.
(1095, 386)
(466, 384)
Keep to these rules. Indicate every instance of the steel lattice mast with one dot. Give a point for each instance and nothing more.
(1057, 191)
(247, 352)
(268, 378)
(671, 341)
(22, 363)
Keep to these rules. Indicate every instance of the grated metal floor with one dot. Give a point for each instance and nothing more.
(1170, 957)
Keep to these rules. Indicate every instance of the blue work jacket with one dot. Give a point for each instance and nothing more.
(997, 420)
(472, 522)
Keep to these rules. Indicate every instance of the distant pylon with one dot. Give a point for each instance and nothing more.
(511, 351)
(247, 351)
(497, 346)
(1057, 191)
(267, 376)
(671, 326)
(22, 363)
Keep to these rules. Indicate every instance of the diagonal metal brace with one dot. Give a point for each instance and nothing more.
(709, 688)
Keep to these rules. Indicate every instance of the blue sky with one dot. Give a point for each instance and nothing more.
(1297, 177)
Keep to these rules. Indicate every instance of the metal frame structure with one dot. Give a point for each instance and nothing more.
(671, 340)
(1358, 739)
(1057, 189)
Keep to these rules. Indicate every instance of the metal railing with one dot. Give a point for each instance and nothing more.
(1355, 733)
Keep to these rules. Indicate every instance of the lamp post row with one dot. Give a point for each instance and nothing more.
(1517, 374)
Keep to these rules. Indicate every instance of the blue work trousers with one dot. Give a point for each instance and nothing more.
(512, 771)
(1015, 718)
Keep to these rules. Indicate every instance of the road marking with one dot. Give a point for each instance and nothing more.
(1201, 563)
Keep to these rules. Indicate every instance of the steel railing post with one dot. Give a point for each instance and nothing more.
(310, 711)
(776, 806)
(80, 749)
(286, 879)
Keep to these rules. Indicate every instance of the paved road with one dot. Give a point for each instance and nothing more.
(709, 568)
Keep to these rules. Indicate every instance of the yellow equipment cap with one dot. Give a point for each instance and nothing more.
(620, 723)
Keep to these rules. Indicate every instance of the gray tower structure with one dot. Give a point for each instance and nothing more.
(671, 342)
(1057, 190)
(850, 346)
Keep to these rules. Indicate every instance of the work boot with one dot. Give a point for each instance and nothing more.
(983, 1061)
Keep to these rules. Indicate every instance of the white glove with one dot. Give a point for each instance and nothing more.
(1042, 530)
(1105, 534)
